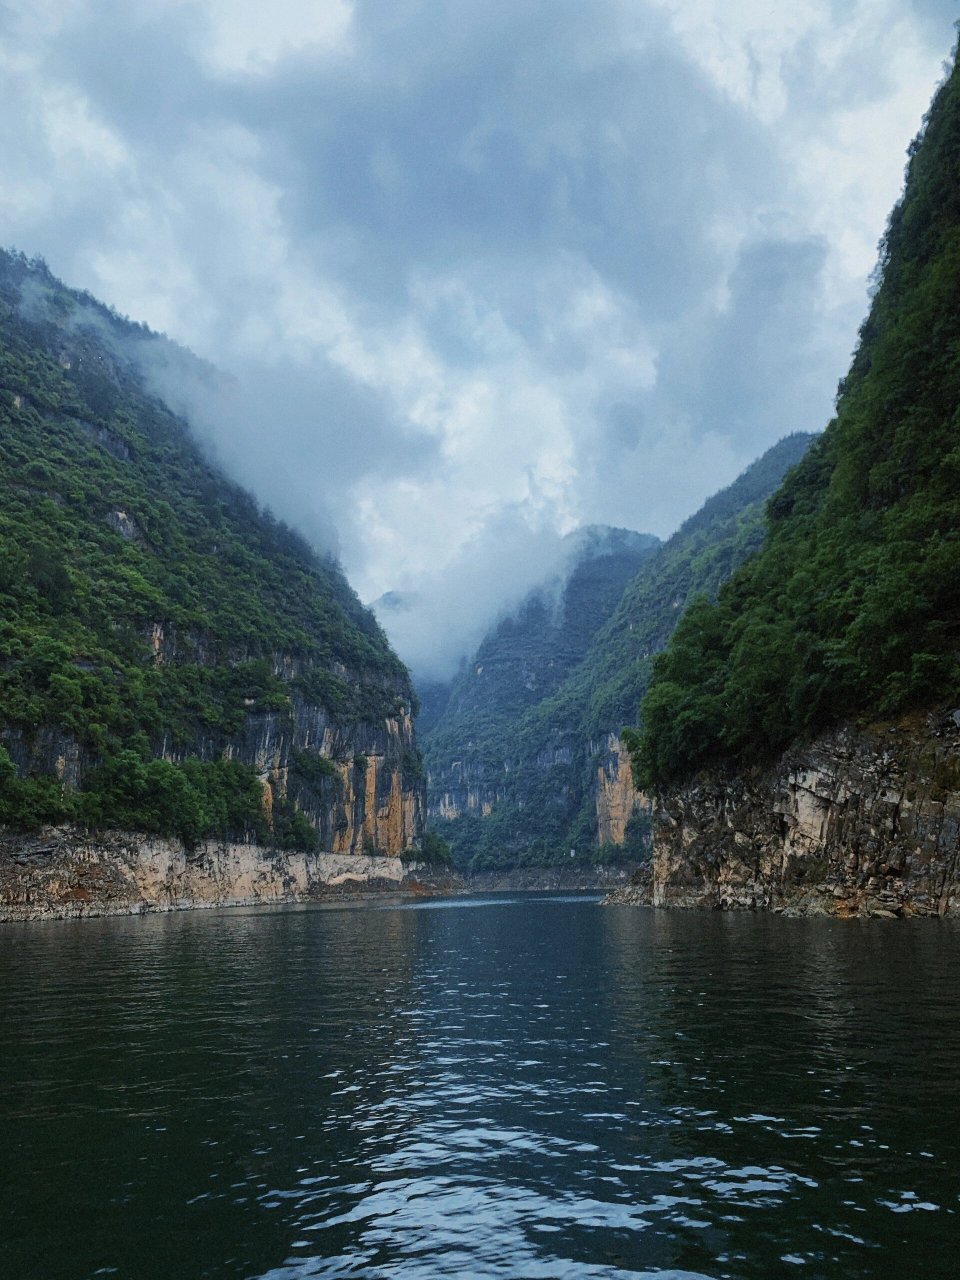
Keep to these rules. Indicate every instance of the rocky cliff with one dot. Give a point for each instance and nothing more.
(174, 661)
(617, 799)
(350, 781)
(859, 822)
(60, 873)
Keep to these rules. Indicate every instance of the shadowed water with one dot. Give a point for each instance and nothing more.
(502, 1088)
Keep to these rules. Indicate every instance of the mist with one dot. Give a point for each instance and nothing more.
(300, 437)
(434, 621)
(471, 276)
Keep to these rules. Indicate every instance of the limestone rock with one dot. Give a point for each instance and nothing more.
(859, 822)
(62, 874)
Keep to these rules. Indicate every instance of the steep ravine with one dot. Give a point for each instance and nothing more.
(541, 778)
(859, 822)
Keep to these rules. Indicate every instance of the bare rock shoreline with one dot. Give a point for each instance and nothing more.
(863, 821)
(62, 874)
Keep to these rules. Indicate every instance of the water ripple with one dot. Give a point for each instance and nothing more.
(491, 1088)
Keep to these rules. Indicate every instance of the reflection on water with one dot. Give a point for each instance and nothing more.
(496, 1087)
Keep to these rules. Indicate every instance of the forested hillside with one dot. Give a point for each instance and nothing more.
(852, 609)
(526, 655)
(161, 638)
(534, 786)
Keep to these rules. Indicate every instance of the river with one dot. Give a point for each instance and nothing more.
(509, 1087)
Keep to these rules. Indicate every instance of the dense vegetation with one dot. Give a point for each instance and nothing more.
(145, 601)
(602, 694)
(542, 761)
(526, 655)
(852, 609)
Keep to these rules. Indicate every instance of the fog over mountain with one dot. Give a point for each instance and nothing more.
(473, 274)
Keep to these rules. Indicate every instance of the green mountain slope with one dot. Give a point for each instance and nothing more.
(533, 785)
(154, 623)
(853, 606)
(522, 660)
(525, 656)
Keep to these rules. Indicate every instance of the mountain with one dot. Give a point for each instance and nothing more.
(524, 764)
(394, 602)
(525, 655)
(173, 660)
(522, 660)
(769, 700)
(852, 607)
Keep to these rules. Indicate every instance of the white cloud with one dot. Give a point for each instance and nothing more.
(482, 272)
(249, 36)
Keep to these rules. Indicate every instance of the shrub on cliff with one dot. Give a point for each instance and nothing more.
(435, 851)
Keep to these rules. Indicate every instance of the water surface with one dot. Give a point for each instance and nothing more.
(484, 1087)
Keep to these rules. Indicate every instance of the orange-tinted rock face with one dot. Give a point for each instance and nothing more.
(370, 801)
(376, 812)
(617, 798)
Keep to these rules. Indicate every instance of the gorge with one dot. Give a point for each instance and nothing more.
(480, 647)
(196, 709)
(522, 777)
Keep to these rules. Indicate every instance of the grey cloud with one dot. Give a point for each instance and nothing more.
(729, 382)
(466, 177)
(935, 14)
(622, 426)
(765, 366)
(478, 159)
(445, 614)
(861, 72)
(138, 68)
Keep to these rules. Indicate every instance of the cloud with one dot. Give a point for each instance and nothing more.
(298, 436)
(437, 617)
(475, 273)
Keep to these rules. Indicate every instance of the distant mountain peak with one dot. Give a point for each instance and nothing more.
(591, 540)
(395, 602)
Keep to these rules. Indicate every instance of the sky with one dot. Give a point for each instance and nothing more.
(480, 271)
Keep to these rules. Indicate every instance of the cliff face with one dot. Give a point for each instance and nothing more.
(478, 759)
(60, 874)
(617, 799)
(365, 803)
(465, 788)
(859, 822)
(173, 659)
